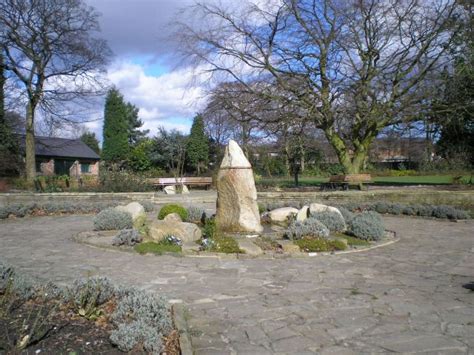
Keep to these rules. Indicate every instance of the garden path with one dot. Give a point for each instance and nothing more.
(406, 297)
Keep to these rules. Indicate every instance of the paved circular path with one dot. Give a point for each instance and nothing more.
(406, 297)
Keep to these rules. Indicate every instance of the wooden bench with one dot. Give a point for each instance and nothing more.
(189, 181)
(343, 182)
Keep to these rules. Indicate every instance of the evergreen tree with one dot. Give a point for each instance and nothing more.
(135, 135)
(198, 146)
(91, 140)
(116, 128)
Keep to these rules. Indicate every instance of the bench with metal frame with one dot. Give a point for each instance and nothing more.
(189, 181)
(345, 182)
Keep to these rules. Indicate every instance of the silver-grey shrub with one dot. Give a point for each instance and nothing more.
(111, 219)
(310, 227)
(367, 226)
(141, 319)
(333, 220)
(128, 237)
(348, 215)
(85, 295)
(147, 205)
(196, 214)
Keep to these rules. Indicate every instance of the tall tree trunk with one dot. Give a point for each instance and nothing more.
(30, 143)
(353, 163)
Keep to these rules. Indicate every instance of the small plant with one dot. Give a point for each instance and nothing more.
(310, 227)
(367, 226)
(196, 215)
(111, 219)
(128, 237)
(86, 295)
(333, 220)
(157, 248)
(142, 320)
(172, 208)
(319, 245)
(147, 205)
(225, 244)
(352, 241)
(348, 215)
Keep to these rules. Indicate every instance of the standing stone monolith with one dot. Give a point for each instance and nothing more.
(237, 209)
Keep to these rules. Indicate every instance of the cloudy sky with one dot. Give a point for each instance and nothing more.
(144, 66)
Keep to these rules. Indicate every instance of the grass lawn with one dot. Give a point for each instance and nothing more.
(378, 180)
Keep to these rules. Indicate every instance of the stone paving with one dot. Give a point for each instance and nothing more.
(406, 297)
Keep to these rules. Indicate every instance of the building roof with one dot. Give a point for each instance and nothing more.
(63, 148)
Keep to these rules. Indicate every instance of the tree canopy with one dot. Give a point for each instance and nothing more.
(198, 145)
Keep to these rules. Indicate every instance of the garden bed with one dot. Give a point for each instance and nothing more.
(90, 316)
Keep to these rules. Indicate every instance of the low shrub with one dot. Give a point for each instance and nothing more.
(196, 214)
(352, 241)
(86, 295)
(367, 226)
(141, 319)
(319, 245)
(157, 248)
(111, 219)
(310, 227)
(147, 205)
(348, 215)
(333, 220)
(449, 212)
(225, 244)
(210, 229)
(172, 208)
(128, 237)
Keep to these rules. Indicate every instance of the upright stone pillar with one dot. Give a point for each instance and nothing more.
(237, 209)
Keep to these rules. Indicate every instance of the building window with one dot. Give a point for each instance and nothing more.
(38, 166)
(85, 168)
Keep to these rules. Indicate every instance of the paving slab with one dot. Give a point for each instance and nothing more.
(406, 297)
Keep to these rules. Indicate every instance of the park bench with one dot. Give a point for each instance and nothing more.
(188, 181)
(344, 182)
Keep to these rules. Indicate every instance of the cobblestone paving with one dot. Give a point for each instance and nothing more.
(406, 297)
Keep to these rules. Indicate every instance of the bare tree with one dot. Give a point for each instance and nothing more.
(360, 66)
(51, 49)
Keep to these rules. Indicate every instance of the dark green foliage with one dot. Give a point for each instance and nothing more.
(91, 140)
(139, 158)
(310, 227)
(112, 219)
(312, 245)
(173, 208)
(367, 226)
(332, 220)
(115, 146)
(198, 146)
(135, 135)
(128, 237)
(169, 151)
(210, 229)
(157, 248)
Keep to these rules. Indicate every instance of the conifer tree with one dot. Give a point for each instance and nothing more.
(115, 146)
(198, 146)
(90, 139)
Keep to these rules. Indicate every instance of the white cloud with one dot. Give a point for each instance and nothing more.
(163, 100)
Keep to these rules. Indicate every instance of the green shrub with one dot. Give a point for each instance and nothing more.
(310, 227)
(367, 226)
(449, 212)
(172, 208)
(196, 214)
(333, 220)
(210, 229)
(157, 248)
(225, 244)
(319, 245)
(111, 219)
